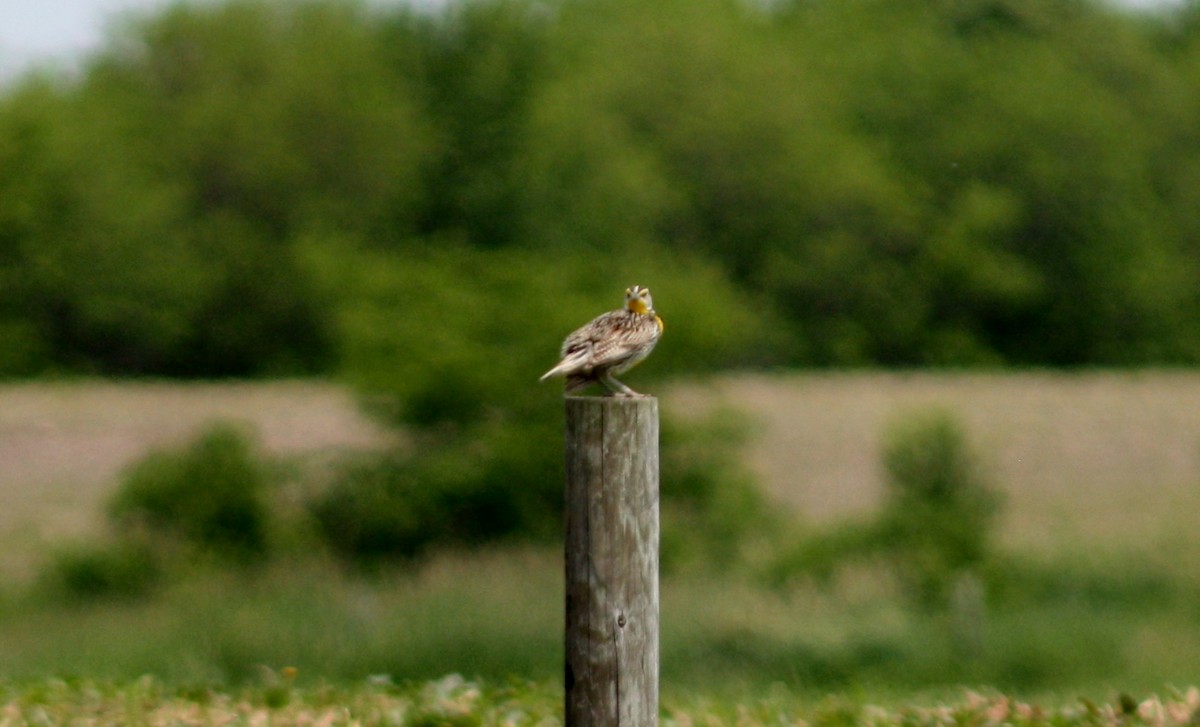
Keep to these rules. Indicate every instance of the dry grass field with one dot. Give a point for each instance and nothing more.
(1095, 458)
(63, 445)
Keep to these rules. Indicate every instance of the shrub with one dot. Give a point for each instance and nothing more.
(124, 568)
(484, 485)
(504, 481)
(210, 494)
(940, 508)
(376, 509)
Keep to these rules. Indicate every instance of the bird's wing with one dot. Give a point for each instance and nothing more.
(607, 341)
(620, 337)
(580, 348)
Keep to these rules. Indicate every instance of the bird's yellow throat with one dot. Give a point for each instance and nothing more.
(637, 305)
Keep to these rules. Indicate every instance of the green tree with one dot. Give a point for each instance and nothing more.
(482, 65)
(1023, 126)
(93, 246)
(885, 182)
(286, 116)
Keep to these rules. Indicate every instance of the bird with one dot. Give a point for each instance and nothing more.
(611, 344)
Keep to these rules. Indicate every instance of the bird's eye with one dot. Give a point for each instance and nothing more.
(629, 291)
(644, 293)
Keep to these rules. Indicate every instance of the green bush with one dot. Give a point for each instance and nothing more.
(936, 524)
(505, 482)
(485, 487)
(123, 568)
(940, 508)
(374, 509)
(210, 494)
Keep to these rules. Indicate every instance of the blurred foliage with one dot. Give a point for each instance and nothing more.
(939, 511)
(395, 505)
(442, 335)
(424, 202)
(935, 531)
(877, 181)
(211, 494)
(714, 515)
(505, 483)
(125, 568)
(447, 341)
(209, 500)
(1070, 624)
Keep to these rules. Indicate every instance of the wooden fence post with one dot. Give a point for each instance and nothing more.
(612, 562)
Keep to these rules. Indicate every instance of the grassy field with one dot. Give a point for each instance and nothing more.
(1100, 473)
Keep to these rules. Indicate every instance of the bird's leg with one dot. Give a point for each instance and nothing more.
(616, 388)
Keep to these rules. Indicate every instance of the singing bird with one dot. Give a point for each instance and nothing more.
(611, 344)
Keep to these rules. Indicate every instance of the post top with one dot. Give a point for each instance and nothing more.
(612, 403)
(622, 399)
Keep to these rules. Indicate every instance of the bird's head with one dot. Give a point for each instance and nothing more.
(638, 300)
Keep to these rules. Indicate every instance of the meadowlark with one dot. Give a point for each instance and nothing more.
(611, 344)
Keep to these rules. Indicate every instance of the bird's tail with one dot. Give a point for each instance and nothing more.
(572, 363)
(558, 370)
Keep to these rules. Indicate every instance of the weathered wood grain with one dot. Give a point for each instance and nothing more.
(612, 562)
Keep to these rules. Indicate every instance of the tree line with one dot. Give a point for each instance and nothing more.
(253, 187)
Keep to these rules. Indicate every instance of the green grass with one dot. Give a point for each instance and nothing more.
(1085, 630)
(491, 615)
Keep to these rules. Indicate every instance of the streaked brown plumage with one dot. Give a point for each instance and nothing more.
(611, 344)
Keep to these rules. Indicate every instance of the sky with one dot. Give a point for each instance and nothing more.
(56, 31)
(59, 32)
